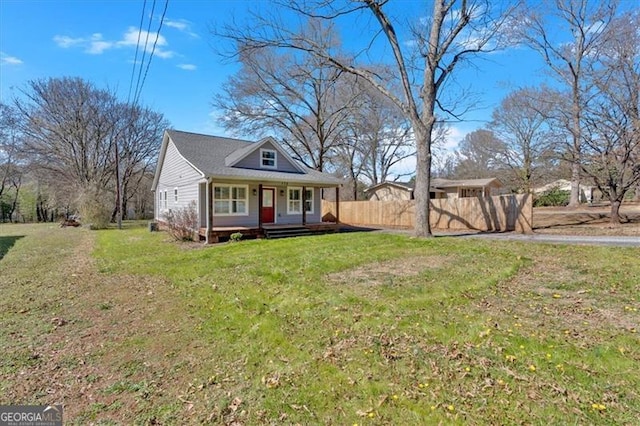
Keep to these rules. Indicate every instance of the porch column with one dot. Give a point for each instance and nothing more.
(304, 207)
(260, 206)
(209, 212)
(337, 204)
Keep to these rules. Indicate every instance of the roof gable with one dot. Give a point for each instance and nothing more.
(235, 159)
(407, 186)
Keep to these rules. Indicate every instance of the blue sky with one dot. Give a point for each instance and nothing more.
(96, 40)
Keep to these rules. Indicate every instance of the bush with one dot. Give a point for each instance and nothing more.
(551, 198)
(94, 211)
(182, 224)
(236, 236)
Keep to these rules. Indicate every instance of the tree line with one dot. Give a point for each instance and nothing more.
(359, 113)
(59, 142)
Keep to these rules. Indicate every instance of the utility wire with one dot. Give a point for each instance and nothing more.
(144, 53)
(153, 49)
(135, 59)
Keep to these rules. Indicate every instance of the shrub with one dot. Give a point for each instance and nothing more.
(182, 224)
(552, 197)
(94, 211)
(236, 236)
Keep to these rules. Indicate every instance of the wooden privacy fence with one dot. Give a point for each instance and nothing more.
(500, 213)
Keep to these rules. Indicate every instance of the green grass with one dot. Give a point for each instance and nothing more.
(363, 328)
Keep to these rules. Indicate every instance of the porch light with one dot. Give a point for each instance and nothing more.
(282, 192)
(255, 192)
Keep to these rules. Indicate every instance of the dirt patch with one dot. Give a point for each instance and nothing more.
(384, 272)
(587, 221)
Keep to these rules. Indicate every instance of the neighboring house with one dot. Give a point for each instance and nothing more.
(587, 192)
(236, 185)
(440, 188)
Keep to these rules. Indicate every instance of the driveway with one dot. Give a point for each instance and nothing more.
(616, 241)
(560, 239)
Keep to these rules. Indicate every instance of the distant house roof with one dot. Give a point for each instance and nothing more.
(438, 184)
(407, 186)
(468, 183)
(214, 157)
(560, 184)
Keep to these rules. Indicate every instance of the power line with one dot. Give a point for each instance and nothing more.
(144, 53)
(135, 59)
(153, 49)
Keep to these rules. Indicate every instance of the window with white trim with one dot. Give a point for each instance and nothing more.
(175, 195)
(165, 198)
(308, 200)
(294, 200)
(268, 158)
(230, 200)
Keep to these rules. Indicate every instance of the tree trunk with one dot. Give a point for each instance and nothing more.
(615, 212)
(574, 200)
(423, 182)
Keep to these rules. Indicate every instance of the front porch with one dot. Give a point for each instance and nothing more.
(223, 233)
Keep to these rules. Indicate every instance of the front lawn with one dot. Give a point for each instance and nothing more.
(356, 328)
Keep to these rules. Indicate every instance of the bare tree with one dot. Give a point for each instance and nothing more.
(522, 128)
(11, 169)
(139, 138)
(586, 23)
(294, 95)
(477, 155)
(454, 31)
(612, 152)
(71, 130)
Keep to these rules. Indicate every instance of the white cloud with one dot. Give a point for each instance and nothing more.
(181, 25)
(187, 67)
(66, 41)
(96, 44)
(145, 40)
(9, 60)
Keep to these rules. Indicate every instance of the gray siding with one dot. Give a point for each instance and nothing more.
(291, 219)
(176, 173)
(253, 161)
(281, 216)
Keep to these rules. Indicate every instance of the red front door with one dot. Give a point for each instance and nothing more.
(268, 204)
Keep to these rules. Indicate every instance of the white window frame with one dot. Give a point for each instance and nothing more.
(300, 202)
(262, 158)
(165, 206)
(231, 200)
(311, 200)
(175, 195)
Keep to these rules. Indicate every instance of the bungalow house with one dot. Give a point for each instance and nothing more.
(587, 192)
(237, 185)
(440, 188)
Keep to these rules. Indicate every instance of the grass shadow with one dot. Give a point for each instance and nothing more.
(7, 242)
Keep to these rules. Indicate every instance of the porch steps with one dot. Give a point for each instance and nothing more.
(297, 231)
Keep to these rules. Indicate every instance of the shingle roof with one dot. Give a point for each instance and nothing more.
(447, 183)
(437, 183)
(209, 155)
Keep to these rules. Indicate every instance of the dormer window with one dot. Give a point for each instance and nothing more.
(268, 158)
